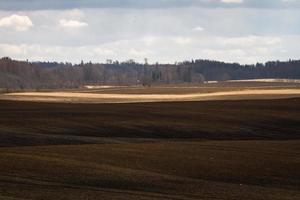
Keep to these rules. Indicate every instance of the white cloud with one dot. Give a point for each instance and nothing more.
(182, 40)
(8, 49)
(232, 1)
(102, 51)
(163, 35)
(198, 28)
(262, 50)
(148, 40)
(249, 41)
(211, 53)
(72, 23)
(139, 52)
(163, 49)
(75, 13)
(17, 22)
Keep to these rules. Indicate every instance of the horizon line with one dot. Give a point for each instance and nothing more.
(133, 61)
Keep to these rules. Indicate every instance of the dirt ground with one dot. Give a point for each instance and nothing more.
(184, 150)
(251, 170)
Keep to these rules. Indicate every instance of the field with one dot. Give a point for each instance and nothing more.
(169, 93)
(239, 148)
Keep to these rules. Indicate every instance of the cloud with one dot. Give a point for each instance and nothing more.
(164, 35)
(139, 52)
(232, 1)
(141, 4)
(102, 51)
(250, 40)
(9, 49)
(198, 28)
(182, 40)
(72, 23)
(164, 49)
(17, 22)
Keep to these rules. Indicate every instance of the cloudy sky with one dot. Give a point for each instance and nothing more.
(245, 31)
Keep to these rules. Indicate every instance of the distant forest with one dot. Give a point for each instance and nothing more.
(41, 75)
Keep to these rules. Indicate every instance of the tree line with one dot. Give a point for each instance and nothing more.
(40, 75)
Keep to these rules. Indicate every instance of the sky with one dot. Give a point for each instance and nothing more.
(164, 31)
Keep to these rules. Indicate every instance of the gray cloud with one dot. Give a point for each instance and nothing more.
(165, 35)
(69, 4)
(243, 31)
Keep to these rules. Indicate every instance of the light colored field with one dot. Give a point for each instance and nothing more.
(234, 90)
(101, 86)
(268, 80)
(80, 97)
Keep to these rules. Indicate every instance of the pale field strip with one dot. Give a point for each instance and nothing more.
(102, 86)
(268, 80)
(118, 98)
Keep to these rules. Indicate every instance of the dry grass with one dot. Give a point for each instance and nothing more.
(129, 98)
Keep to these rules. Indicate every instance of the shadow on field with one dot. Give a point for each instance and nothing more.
(246, 150)
(26, 123)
